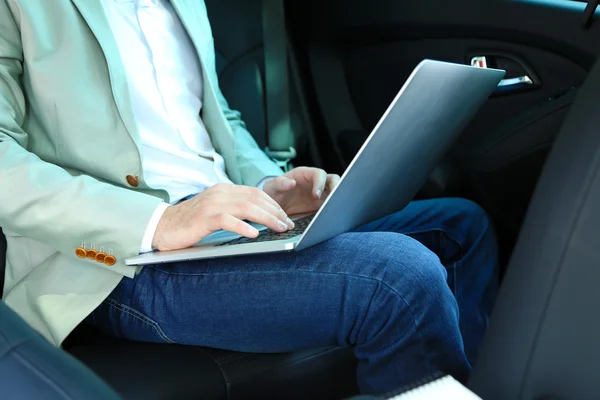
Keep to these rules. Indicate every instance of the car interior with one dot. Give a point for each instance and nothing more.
(530, 158)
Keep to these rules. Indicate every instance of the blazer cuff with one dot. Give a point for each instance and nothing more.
(151, 228)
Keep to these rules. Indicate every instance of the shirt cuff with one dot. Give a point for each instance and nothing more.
(151, 228)
(264, 180)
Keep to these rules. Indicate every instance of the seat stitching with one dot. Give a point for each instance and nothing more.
(227, 387)
(223, 357)
(299, 360)
(140, 316)
(228, 357)
(236, 358)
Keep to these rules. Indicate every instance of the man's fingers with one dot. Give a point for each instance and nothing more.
(257, 195)
(277, 211)
(332, 181)
(319, 179)
(230, 223)
(254, 213)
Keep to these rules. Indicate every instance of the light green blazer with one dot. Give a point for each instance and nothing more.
(68, 140)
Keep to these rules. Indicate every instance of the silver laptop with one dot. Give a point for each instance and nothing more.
(435, 104)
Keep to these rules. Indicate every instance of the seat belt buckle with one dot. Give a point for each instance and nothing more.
(283, 158)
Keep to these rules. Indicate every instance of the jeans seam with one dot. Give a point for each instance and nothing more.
(139, 316)
(414, 318)
(384, 284)
(476, 241)
(371, 301)
(444, 231)
(456, 291)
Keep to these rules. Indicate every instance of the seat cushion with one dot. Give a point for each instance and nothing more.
(150, 371)
(33, 369)
(162, 371)
(323, 373)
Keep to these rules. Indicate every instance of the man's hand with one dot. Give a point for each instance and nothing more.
(224, 207)
(301, 190)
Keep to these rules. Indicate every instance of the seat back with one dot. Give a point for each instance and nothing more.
(237, 31)
(544, 332)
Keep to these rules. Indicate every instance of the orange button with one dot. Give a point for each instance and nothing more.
(110, 260)
(91, 254)
(80, 252)
(132, 180)
(100, 257)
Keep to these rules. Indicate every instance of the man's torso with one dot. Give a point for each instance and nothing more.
(80, 117)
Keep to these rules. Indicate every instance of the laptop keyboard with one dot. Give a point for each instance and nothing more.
(267, 235)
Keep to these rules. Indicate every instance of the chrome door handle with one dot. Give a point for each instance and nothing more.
(505, 84)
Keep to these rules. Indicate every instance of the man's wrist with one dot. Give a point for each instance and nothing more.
(148, 238)
(264, 180)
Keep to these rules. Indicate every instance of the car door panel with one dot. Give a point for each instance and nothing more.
(389, 65)
(359, 53)
(362, 52)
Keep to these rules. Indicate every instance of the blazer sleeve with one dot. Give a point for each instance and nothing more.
(43, 201)
(252, 161)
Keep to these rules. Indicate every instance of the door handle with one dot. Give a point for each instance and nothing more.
(514, 82)
(510, 64)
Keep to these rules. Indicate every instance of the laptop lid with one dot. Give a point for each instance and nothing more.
(433, 107)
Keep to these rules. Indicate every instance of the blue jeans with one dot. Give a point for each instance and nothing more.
(410, 293)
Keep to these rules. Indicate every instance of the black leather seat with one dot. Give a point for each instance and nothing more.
(544, 334)
(152, 371)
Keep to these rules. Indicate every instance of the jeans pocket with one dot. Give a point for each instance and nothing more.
(122, 321)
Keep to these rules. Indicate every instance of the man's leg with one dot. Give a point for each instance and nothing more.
(384, 294)
(459, 232)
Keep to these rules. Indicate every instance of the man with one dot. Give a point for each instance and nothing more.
(115, 139)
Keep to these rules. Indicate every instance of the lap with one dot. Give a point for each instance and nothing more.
(280, 302)
(276, 302)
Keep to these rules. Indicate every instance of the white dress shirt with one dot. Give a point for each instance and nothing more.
(165, 82)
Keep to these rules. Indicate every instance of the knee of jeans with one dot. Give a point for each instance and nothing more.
(472, 211)
(410, 263)
(464, 217)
